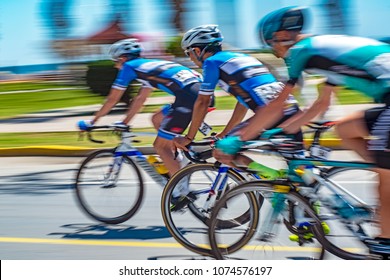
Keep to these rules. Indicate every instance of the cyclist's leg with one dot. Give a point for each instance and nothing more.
(379, 127)
(353, 131)
(158, 116)
(175, 121)
(380, 147)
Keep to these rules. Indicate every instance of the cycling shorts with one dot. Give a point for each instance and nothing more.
(178, 115)
(378, 123)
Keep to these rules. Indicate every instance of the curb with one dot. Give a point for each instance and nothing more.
(74, 151)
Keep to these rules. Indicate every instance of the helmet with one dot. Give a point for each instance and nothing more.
(288, 18)
(125, 47)
(202, 35)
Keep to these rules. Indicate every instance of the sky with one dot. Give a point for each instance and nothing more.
(24, 38)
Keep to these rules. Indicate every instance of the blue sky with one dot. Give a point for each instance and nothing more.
(24, 39)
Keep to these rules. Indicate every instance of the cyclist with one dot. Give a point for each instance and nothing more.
(168, 76)
(358, 63)
(244, 77)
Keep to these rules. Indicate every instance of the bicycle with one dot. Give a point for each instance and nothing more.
(206, 184)
(307, 211)
(109, 186)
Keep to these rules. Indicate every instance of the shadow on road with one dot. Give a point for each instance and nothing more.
(37, 183)
(113, 232)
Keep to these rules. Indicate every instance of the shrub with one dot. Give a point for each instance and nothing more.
(100, 76)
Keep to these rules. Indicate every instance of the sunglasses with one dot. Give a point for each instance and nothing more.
(284, 42)
(187, 51)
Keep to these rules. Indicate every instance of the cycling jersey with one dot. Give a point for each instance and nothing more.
(168, 76)
(243, 76)
(359, 63)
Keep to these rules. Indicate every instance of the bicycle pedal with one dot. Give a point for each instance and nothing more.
(180, 203)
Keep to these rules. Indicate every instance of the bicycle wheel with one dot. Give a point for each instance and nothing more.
(283, 226)
(105, 195)
(188, 225)
(346, 233)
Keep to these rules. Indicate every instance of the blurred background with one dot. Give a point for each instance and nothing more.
(48, 33)
(59, 47)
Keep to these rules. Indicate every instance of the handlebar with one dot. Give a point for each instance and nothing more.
(200, 156)
(113, 127)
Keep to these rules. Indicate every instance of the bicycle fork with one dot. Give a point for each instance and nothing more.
(111, 176)
(277, 201)
(218, 188)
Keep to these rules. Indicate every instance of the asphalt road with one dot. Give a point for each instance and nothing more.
(39, 218)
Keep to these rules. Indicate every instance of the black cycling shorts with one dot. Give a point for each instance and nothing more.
(178, 115)
(378, 123)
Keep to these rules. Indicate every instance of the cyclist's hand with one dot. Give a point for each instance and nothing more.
(84, 125)
(271, 132)
(180, 142)
(230, 145)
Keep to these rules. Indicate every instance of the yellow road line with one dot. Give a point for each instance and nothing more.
(150, 244)
(88, 242)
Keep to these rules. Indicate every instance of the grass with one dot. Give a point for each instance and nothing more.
(12, 105)
(31, 102)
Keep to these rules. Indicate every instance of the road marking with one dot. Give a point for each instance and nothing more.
(150, 244)
(88, 242)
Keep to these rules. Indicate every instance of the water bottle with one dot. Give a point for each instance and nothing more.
(307, 175)
(157, 164)
(142, 162)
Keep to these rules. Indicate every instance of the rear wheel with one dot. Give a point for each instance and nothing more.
(345, 235)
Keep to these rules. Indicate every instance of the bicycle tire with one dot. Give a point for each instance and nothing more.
(187, 231)
(248, 247)
(113, 204)
(342, 240)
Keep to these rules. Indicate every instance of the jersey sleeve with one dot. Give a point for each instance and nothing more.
(125, 76)
(296, 62)
(210, 78)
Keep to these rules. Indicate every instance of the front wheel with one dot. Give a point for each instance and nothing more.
(109, 189)
(282, 226)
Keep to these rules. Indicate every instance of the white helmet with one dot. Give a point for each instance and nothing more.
(125, 47)
(202, 35)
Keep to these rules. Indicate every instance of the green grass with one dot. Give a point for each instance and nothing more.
(5, 87)
(12, 105)
(31, 102)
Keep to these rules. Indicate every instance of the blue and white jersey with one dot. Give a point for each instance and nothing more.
(154, 73)
(359, 63)
(243, 76)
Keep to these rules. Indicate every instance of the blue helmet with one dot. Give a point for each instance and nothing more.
(290, 18)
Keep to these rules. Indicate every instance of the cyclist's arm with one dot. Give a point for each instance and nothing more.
(198, 114)
(137, 103)
(112, 99)
(319, 106)
(236, 118)
(265, 117)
